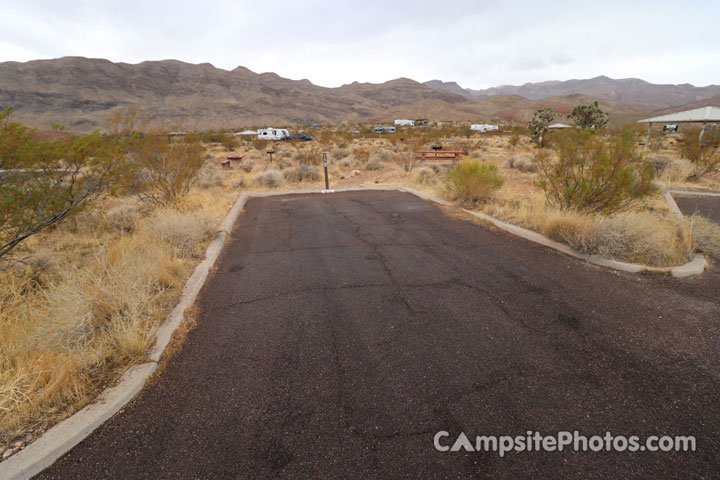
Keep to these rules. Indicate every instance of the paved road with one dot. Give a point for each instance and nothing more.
(707, 206)
(341, 332)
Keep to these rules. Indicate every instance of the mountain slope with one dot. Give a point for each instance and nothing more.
(631, 91)
(79, 92)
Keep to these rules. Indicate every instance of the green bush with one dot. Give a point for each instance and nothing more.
(702, 151)
(593, 173)
(472, 181)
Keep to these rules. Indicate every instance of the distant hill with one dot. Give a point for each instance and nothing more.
(80, 93)
(630, 91)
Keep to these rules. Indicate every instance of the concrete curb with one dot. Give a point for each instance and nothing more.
(65, 435)
(672, 204)
(61, 438)
(195, 282)
(692, 193)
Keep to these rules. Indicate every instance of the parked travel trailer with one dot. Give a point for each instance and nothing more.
(484, 127)
(408, 123)
(273, 133)
(384, 130)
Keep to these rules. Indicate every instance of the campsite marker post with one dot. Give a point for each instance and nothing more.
(327, 185)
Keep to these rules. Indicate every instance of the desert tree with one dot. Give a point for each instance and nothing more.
(164, 171)
(589, 116)
(539, 125)
(44, 181)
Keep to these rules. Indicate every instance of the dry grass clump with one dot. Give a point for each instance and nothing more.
(268, 179)
(184, 233)
(705, 235)
(578, 231)
(676, 171)
(641, 236)
(426, 176)
(59, 344)
(523, 164)
(66, 332)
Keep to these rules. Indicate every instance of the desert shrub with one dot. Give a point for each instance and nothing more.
(523, 164)
(593, 174)
(246, 166)
(239, 183)
(471, 181)
(302, 173)
(703, 152)
(514, 140)
(268, 178)
(374, 163)
(123, 219)
(347, 162)
(282, 164)
(229, 142)
(705, 234)
(209, 177)
(165, 170)
(426, 176)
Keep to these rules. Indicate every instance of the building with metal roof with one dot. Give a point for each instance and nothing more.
(696, 115)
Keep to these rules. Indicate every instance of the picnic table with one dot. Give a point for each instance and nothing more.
(440, 155)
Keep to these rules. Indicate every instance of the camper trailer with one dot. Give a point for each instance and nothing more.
(406, 123)
(384, 129)
(273, 133)
(484, 127)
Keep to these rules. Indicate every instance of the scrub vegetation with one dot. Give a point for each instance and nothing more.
(112, 224)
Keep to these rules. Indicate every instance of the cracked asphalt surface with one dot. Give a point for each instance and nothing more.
(341, 332)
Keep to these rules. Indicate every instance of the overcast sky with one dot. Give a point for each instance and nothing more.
(478, 44)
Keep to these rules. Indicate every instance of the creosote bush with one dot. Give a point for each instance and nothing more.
(592, 173)
(702, 150)
(166, 170)
(269, 179)
(302, 173)
(472, 181)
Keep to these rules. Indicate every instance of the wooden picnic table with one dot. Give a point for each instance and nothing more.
(453, 155)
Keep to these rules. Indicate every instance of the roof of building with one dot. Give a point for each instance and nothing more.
(559, 125)
(703, 114)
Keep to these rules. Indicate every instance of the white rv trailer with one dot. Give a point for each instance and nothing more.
(273, 133)
(407, 123)
(484, 127)
(384, 129)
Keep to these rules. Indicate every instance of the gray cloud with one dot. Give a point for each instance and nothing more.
(331, 43)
